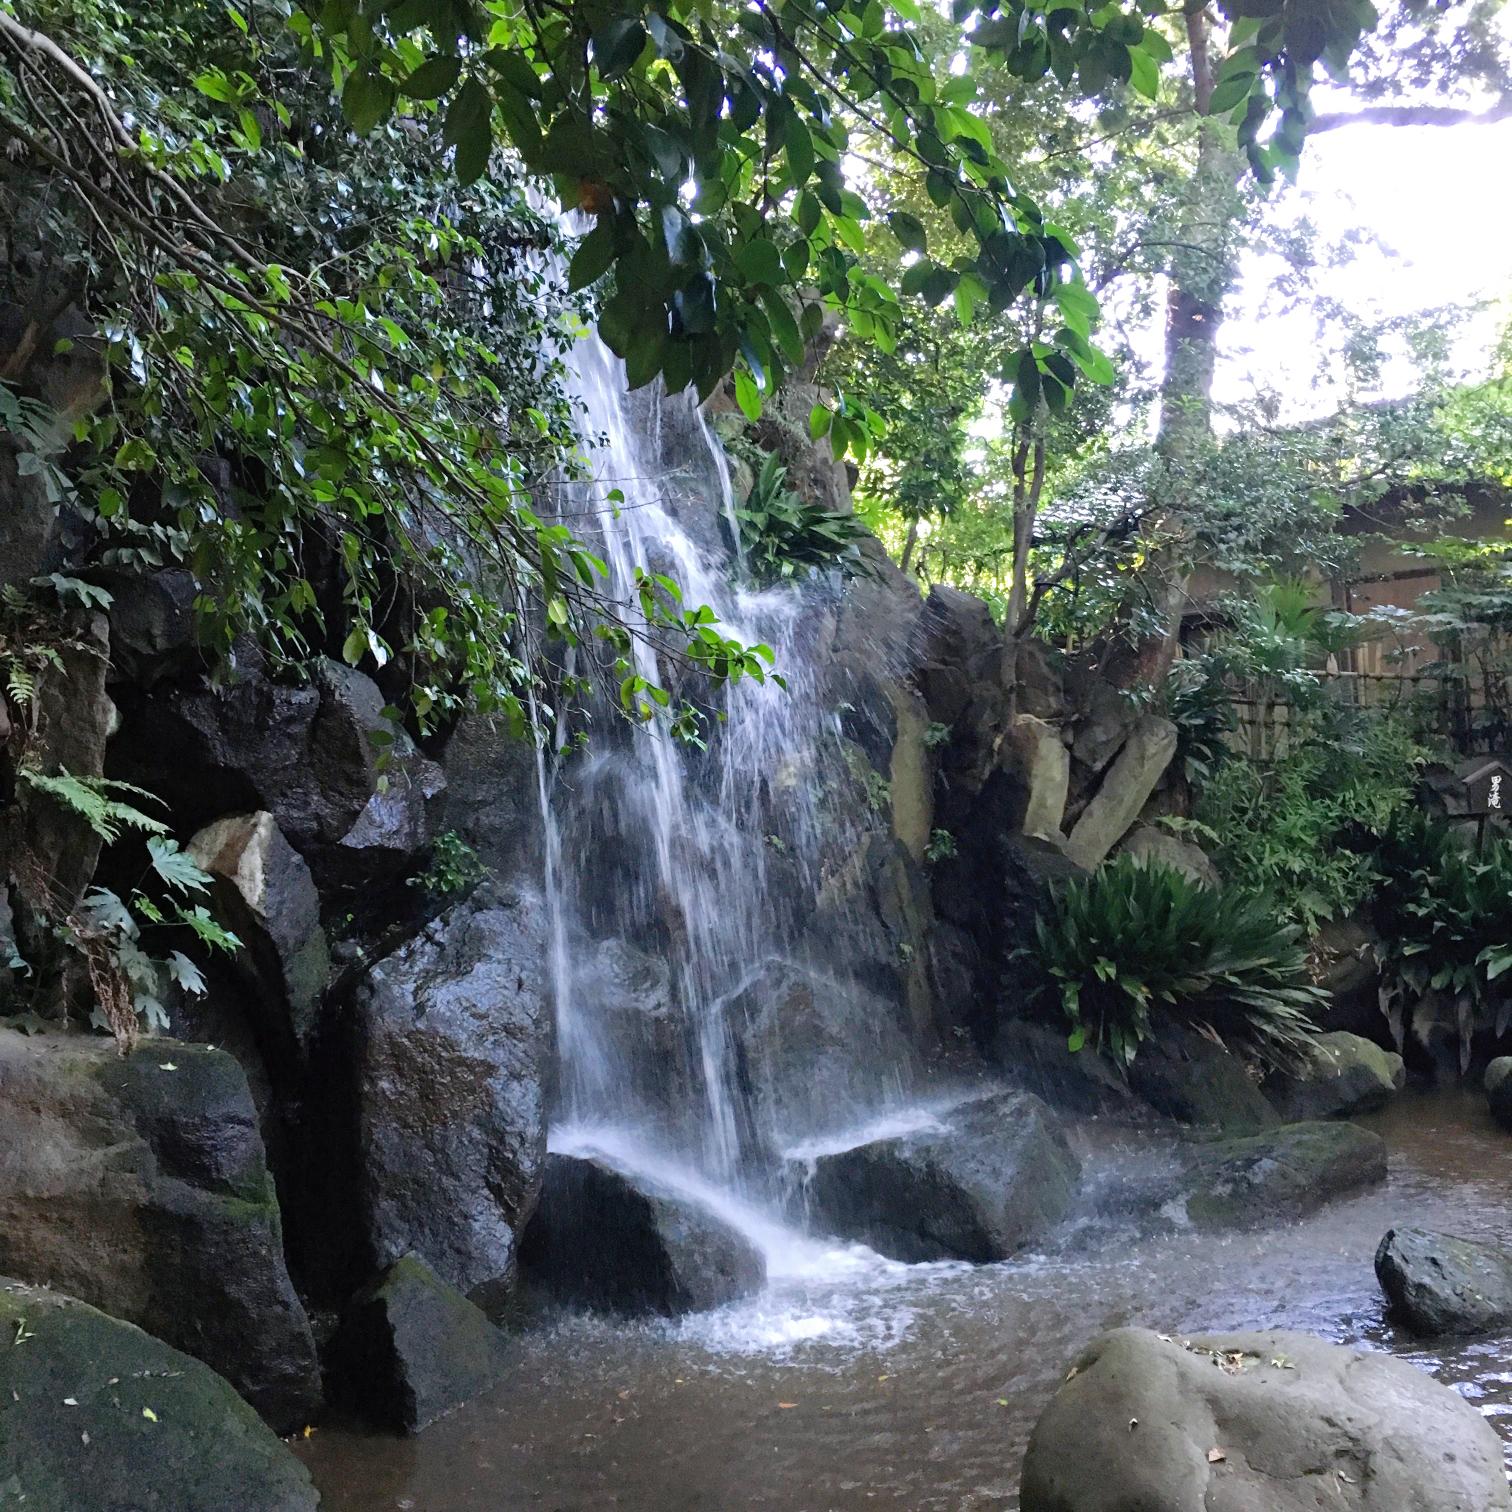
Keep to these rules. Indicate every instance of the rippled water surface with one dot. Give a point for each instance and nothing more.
(856, 1383)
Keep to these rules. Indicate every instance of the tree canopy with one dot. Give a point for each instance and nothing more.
(314, 320)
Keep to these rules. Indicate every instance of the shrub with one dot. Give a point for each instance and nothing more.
(1444, 914)
(1302, 829)
(1195, 699)
(1139, 945)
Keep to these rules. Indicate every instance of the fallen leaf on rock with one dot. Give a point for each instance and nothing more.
(787, 1404)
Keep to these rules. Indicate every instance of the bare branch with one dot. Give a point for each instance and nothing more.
(1413, 115)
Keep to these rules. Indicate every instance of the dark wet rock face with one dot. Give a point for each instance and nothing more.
(1347, 1075)
(1499, 1090)
(1262, 1422)
(96, 1414)
(1439, 1285)
(1036, 1057)
(1188, 1078)
(990, 1179)
(810, 1043)
(309, 755)
(412, 1348)
(265, 894)
(453, 1040)
(1277, 1176)
(140, 1185)
(615, 1242)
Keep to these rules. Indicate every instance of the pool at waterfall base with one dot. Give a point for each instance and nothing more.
(856, 1382)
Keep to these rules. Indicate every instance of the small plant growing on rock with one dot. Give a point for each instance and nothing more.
(455, 868)
(1139, 945)
(941, 847)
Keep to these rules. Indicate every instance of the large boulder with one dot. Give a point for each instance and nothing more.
(1345, 1075)
(987, 1179)
(1346, 965)
(264, 892)
(1276, 1176)
(452, 1043)
(1042, 764)
(140, 1185)
(1438, 1284)
(621, 1242)
(1256, 1422)
(1149, 842)
(1187, 1077)
(96, 1414)
(1498, 1086)
(412, 1348)
(1140, 764)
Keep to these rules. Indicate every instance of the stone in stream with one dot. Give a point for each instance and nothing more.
(1256, 1422)
(1499, 1090)
(1277, 1176)
(96, 1414)
(982, 1185)
(1438, 1284)
(1346, 1075)
(140, 1185)
(606, 1239)
(412, 1348)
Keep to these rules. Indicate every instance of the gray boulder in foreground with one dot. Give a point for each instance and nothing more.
(612, 1241)
(1259, 1422)
(992, 1180)
(97, 1415)
(1346, 1075)
(1438, 1284)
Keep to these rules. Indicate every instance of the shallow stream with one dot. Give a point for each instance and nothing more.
(853, 1382)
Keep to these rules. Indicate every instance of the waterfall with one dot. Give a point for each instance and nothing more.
(676, 903)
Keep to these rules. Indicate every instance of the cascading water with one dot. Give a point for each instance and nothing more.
(670, 929)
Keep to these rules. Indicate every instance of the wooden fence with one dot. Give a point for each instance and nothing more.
(1453, 711)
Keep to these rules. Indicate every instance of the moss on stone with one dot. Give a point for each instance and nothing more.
(96, 1413)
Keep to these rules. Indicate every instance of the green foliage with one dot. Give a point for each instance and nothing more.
(1470, 618)
(1302, 829)
(941, 847)
(1138, 945)
(1196, 699)
(90, 798)
(128, 979)
(455, 868)
(785, 536)
(332, 390)
(1444, 919)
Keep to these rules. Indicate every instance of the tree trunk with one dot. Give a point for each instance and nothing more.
(1201, 274)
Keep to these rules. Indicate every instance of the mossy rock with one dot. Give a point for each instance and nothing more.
(140, 1185)
(96, 1414)
(1345, 1075)
(1280, 1175)
(413, 1348)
